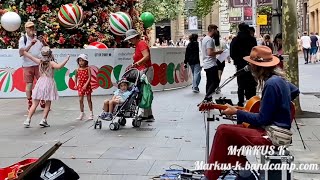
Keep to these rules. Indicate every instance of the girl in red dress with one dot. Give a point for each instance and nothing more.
(83, 78)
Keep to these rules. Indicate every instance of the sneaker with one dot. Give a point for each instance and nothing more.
(44, 123)
(104, 115)
(91, 117)
(27, 123)
(81, 116)
(195, 90)
(42, 104)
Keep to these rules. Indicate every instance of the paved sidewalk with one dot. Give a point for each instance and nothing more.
(176, 137)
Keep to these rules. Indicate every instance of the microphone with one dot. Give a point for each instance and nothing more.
(247, 68)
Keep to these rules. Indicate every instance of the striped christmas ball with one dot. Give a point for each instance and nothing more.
(120, 23)
(104, 77)
(70, 16)
(6, 80)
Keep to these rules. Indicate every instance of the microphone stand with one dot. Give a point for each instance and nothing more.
(227, 81)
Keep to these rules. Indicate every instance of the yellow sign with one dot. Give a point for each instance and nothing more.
(262, 20)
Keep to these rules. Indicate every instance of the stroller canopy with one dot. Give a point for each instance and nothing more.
(132, 75)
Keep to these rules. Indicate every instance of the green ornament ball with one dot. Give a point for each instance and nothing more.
(147, 18)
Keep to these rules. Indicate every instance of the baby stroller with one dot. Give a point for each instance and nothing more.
(129, 108)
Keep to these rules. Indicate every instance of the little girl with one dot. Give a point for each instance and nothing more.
(45, 88)
(83, 79)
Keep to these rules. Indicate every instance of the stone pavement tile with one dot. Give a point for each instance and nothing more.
(83, 166)
(305, 176)
(160, 166)
(67, 152)
(307, 133)
(16, 150)
(123, 153)
(157, 141)
(306, 157)
(129, 167)
(160, 153)
(192, 154)
(298, 146)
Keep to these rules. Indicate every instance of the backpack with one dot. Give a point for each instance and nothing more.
(25, 39)
(53, 169)
(147, 95)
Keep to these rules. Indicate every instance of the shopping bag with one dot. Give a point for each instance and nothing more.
(147, 94)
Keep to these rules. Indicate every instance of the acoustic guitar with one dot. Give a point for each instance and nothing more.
(252, 105)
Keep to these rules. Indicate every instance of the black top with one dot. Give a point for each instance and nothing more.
(240, 47)
(192, 53)
(314, 40)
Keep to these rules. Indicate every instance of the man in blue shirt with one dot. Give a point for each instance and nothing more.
(277, 95)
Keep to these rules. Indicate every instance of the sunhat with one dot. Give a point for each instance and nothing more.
(83, 56)
(123, 81)
(262, 56)
(29, 24)
(131, 33)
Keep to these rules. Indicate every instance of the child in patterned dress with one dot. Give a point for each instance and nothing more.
(45, 88)
(83, 84)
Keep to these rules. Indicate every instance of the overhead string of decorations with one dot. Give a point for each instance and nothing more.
(73, 24)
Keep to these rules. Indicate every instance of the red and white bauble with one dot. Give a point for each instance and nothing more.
(70, 16)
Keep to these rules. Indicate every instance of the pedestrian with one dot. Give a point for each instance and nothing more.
(31, 43)
(83, 85)
(278, 48)
(275, 112)
(267, 41)
(192, 58)
(45, 88)
(318, 51)
(306, 45)
(314, 48)
(240, 47)
(141, 61)
(219, 46)
(210, 65)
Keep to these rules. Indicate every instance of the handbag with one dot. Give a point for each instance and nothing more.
(279, 136)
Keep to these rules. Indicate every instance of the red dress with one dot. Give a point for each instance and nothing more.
(83, 76)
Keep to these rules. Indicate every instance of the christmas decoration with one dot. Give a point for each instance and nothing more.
(147, 19)
(70, 16)
(10, 21)
(6, 80)
(104, 77)
(120, 23)
(97, 45)
(95, 26)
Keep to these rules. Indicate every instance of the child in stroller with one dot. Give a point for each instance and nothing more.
(119, 97)
(117, 109)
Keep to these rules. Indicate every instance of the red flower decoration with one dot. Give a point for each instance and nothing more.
(45, 8)
(61, 40)
(6, 39)
(30, 9)
(91, 39)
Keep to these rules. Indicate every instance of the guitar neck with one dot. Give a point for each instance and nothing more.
(209, 106)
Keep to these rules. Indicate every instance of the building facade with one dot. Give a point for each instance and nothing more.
(314, 7)
(185, 24)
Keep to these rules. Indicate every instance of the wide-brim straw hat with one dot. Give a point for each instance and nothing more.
(131, 33)
(262, 56)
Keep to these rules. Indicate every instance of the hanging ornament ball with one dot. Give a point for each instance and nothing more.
(10, 21)
(147, 18)
(70, 16)
(97, 45)
(120, 23)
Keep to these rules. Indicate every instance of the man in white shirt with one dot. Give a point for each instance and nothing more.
(306, 46)
(33, 45)
(210, 61)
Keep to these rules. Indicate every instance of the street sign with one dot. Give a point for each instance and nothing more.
(262, 20)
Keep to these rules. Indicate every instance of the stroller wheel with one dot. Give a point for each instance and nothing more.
(100, 124)
(136, 123)
(122, 121)
(114, 126)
